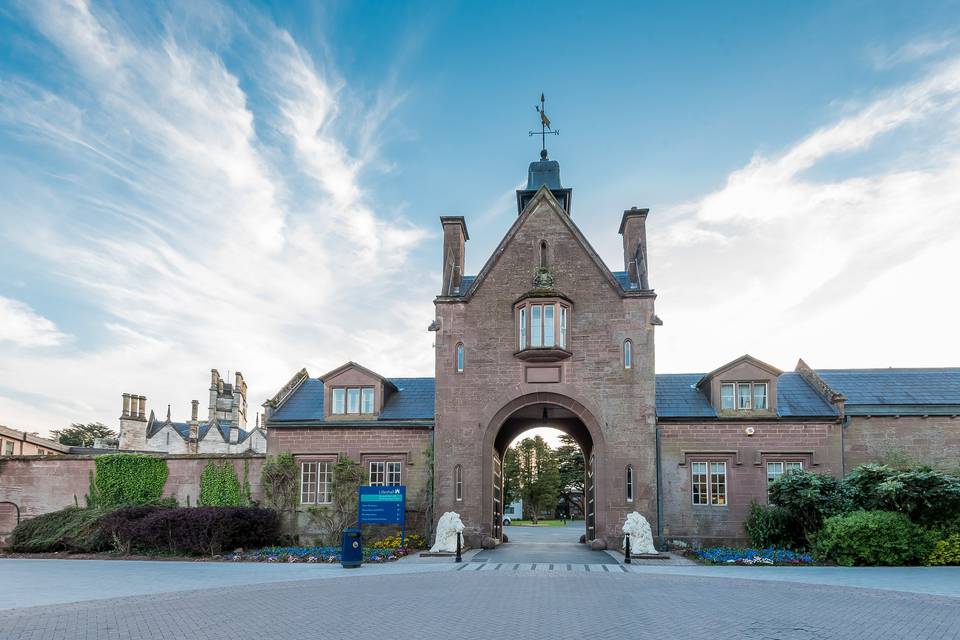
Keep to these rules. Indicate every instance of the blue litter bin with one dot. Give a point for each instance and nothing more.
(351, 553)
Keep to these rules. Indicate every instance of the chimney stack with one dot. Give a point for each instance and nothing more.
(454, 237)
(633, 228)
(141, 406)
(126, 406)
(194, 410)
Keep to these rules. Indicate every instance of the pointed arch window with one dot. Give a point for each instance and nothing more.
(628, 354)
(458, 483)
(629, 483)
(459, 357)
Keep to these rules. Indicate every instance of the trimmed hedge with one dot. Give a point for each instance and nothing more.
(128, 478)
(200, 530)
(873, 538)
(946, 552)
(72, 529)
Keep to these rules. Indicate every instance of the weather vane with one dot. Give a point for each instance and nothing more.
(544, 128)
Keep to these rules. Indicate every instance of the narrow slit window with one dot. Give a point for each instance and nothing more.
(459, 357)
(629, 483)
(523, 328)
(627, 354)
(458, 482)
(563, 327)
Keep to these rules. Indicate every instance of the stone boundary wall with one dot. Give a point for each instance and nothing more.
(41, 484)
(932, 440)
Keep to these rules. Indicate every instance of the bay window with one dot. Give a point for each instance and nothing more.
(542, 324)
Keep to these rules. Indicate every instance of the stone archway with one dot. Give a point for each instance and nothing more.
(554, 410)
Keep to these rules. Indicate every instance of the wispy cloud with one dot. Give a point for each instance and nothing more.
(782, 250)
(920, 49)
(22, 326)
(208, 225)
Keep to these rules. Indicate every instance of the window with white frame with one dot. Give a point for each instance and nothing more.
(377, 474)
(355, 400)
(776, 469)
(458, 483)
(8, 448)
(627, 354)
(708, 483)
(727, 400)
(542, 325)
(744, 396)
(629, 483)
(393, 474)
(316, 479)
(459, 358)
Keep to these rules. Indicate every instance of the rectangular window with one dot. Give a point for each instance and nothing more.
(523, 328)
(760, 395)
(792, 466)
(338, 396)
(308, 483)
(536, 326)
(458, 482)
(699, 483)
(324, 482)
(8, 448)
(563, 327)
(718, 483)
(549, 327)
(366, 400)
(377, 474)
(393, 474)
(353, 400)
(743, 395)
(726, 396)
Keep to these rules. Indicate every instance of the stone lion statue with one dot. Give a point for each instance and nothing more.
(641, 538)
(447, 528)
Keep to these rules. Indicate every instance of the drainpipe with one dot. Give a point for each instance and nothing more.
(659, 492)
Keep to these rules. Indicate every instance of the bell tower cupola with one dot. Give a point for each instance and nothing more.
(544, 172)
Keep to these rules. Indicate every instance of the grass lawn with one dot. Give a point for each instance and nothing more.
(540, 523)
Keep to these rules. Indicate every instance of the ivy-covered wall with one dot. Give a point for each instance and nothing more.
(43, 484)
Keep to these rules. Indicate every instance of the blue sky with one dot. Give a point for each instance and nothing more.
(256, 187)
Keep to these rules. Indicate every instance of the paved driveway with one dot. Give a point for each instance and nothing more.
(466, 603)
(539, 545)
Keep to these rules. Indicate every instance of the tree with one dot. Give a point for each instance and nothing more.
(537, 475)
(82, 435)
(572, 473)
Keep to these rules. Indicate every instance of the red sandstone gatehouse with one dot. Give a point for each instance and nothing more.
(547, 335)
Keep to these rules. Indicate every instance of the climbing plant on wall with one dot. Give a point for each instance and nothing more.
(129, 478)
(219, 486)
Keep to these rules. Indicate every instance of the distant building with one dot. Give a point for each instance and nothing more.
(20, 443)
(224, 430)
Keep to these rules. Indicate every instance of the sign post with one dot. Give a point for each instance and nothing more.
(384, 505)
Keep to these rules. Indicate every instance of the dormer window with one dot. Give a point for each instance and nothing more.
(351, 400)
(743, 396)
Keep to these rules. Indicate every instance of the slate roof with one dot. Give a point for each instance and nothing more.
(465, 283)
(679, 397)
(895, 387)
(413, 400)
(183, 429)
(624, 279)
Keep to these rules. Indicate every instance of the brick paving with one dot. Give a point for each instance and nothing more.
(484, 603)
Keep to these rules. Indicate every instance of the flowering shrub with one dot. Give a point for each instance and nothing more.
(726, 555)
(412, 541)
(314, 554)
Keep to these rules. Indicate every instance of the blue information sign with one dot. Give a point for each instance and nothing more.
(383, 505)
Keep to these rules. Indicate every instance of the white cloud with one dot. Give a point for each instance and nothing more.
(215, 216)
(847, 270)
(22, 326)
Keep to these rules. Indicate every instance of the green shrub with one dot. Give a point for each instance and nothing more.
(863, 482)
(946, 551)
(926, 496)
(129, 478)
(772, 526)
(220, 487)
(872, 538)
(71, 529)
(810, 498)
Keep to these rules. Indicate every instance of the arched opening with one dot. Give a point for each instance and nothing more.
(565, 432)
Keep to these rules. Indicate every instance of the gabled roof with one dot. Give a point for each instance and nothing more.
(679, 395)
(469, 286)
(744, 359)
(182, 429)
(903, 391)
(411, 400)
(357, 367)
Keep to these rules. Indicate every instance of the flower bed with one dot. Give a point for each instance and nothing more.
(771, 556)
(314, 554)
